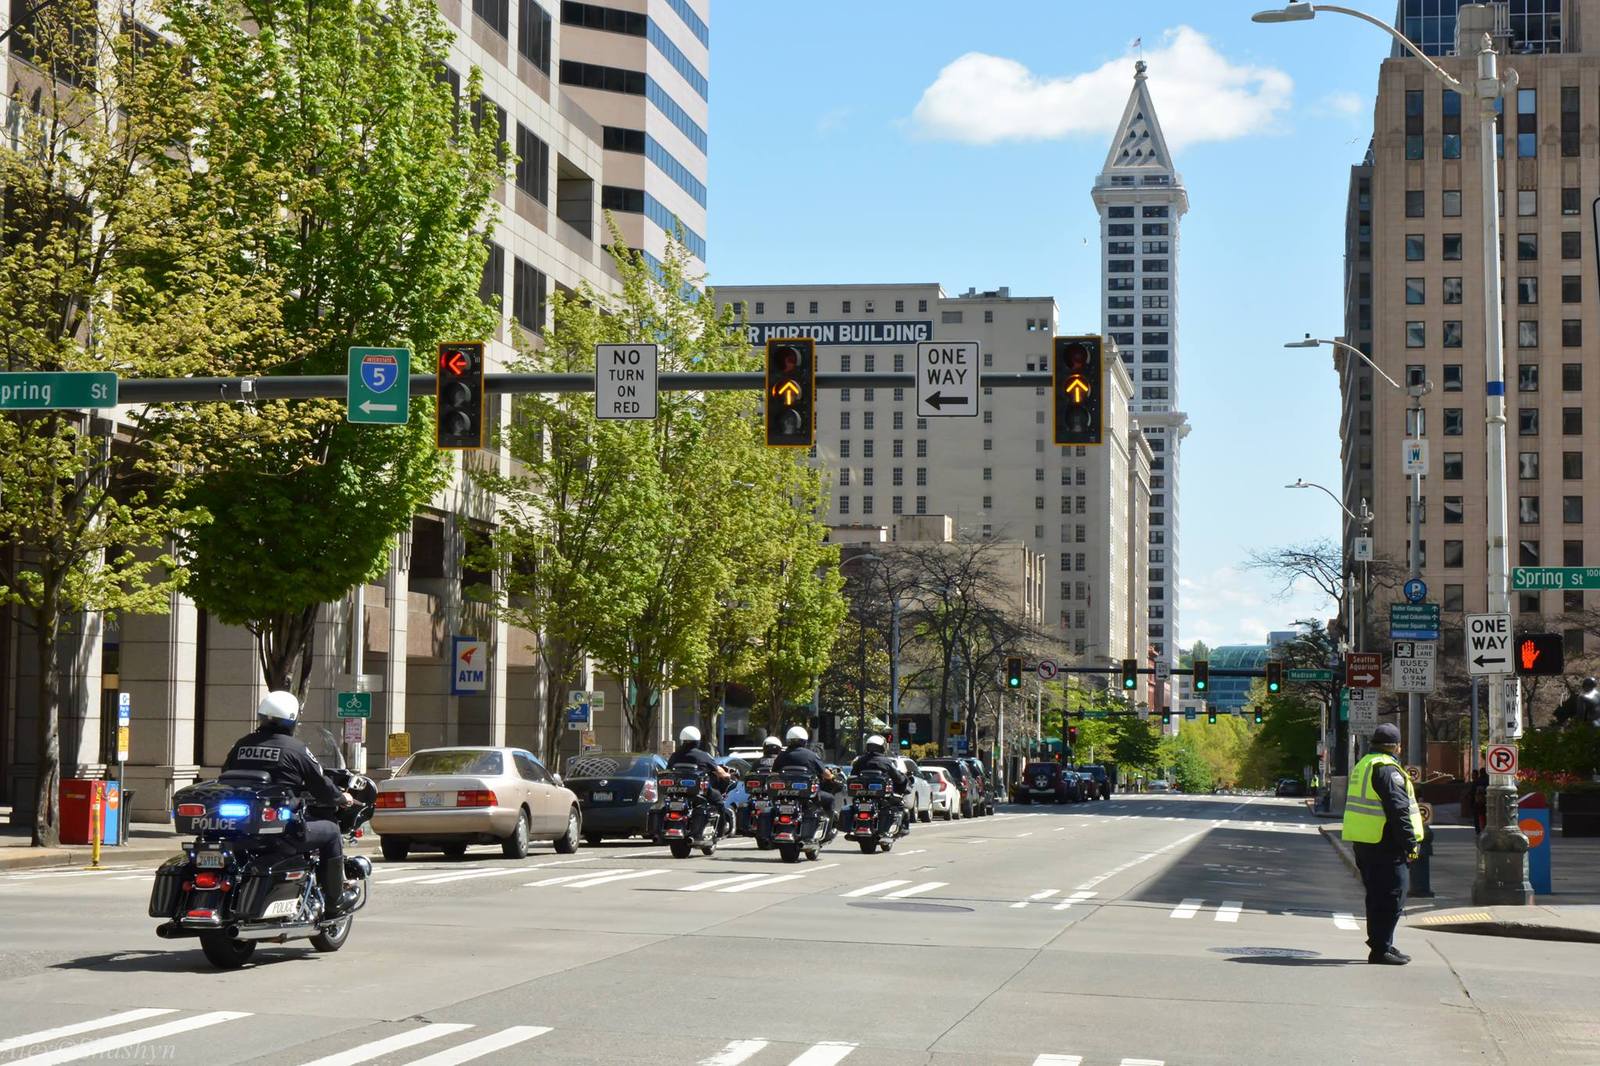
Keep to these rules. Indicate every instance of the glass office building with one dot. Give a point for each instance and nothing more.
(1534, 26)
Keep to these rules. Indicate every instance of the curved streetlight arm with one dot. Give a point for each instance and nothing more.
(1365, 518)
(1439, 72)
(1357, 352)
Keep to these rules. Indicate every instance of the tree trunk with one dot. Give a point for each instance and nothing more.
(283, 644)
(46, 816)
(561, 673)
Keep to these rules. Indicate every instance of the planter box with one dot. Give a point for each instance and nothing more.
(1580, 814)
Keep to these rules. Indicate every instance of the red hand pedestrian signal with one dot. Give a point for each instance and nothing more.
(1530, 654)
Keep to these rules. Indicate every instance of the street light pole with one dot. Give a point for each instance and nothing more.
(1502, 874)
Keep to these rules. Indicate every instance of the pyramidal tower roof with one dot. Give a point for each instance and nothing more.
(1139, 146)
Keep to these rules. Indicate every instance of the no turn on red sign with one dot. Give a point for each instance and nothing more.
(1501, 759)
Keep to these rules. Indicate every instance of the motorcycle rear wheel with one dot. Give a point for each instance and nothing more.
(868, 846)
(680, 848)
(789, 852)
(224, 952)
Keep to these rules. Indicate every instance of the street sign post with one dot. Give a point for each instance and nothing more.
(1363, 710)
(1489, 644)
(399, 748)
(1537, 578)
(355, 704)
(1293, 674)
(378, 386)
(1416, 590)
(947, 379)
(53, 391)
(124, 724)
(626, 377)
(1363, 669)
(1413, 665)
(1501, 759)
(1414, 621)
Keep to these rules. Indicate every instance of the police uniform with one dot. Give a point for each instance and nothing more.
(803, 758)
(1384, 826)
(291, 764)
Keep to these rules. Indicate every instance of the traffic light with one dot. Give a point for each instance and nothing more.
(791, 392)
(1130, 674)
(1202, 675)
(1211, 718)
(1078, 390)
(1539, 654)
(1166, 717)
(1258, 717)
(1274, 676)
(460, 394)
(1072, 735)
(1014, 671)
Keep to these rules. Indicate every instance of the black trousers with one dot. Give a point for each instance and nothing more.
(1387, 879)
(323, 837)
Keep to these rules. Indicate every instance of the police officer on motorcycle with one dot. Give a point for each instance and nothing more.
(769, 752)
(875, 759)
(274, 748)
(796, 755)
(690, 755)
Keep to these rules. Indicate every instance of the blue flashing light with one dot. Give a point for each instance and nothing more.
(233, 810)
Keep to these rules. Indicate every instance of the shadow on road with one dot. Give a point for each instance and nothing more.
(176, 960)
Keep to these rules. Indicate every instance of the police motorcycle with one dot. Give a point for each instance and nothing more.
(750, 815)
(684, 817)
(875, 816)
(794, 820)
(244, 879)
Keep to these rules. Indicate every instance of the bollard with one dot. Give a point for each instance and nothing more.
(1421, 875)
(95, 828)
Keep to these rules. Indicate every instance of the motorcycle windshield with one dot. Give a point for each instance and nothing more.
(325, 746)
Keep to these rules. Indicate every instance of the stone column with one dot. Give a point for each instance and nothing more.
(158, 672)
(397, 594)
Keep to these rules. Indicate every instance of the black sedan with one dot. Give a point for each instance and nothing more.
(615, 790)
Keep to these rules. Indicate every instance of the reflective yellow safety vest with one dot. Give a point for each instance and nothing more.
(1363, 810)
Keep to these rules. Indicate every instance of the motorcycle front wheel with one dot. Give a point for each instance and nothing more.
(333, 936)
(224, 952)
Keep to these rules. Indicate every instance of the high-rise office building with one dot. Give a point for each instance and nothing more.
(1141, 199)
(1414, 292)
(998, 474)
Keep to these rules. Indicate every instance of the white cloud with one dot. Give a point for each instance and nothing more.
(1343, 103)
(1237, 606)
(1199, 94)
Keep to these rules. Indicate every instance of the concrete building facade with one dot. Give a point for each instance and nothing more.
(997, 475)
(1141, 199)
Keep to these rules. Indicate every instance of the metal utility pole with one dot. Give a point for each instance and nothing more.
(1416, 743)
(861, 689)
(894, 663)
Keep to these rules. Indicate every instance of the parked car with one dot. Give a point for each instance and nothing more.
(734, 793)
(1291, 786)
(919, 797)
(1157, 786)
(615, 792)
(968, 785)
(449, 798)
(749, 755)
(985, 783)
(1047, 782)
(946, 793)
(1099, 779)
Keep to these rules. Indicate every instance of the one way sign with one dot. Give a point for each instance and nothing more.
(1489, 644)
(947, 379)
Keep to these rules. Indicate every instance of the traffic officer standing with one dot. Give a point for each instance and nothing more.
(1384, 825)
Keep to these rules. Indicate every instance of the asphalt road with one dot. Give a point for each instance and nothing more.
(1147, 930)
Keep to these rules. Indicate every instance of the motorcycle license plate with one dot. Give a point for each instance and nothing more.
(600, 797)
(210, 860)
(430, 799)
(1039, 783)
(674, 832)
(677, 806)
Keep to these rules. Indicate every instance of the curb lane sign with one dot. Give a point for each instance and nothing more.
(625, 380)
(378, 386)
(1363, 710)
(1489, 644)
(947, 379)
(1501, 759)
(1412, 664)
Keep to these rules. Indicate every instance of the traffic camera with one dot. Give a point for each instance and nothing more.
(460, 394)
(791, 391)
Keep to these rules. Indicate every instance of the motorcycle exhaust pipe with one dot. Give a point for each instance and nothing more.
(279, 933)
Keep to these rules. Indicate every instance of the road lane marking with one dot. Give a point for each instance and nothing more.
(45, 1036)
(824, 1054)
(398, 1042)
(1046, 894)
(470, 875)
(1187, 908)
(1341, 920)
(914, 851)
(606, 879)
(148, 1034)
(1062, 828)
(1229, 911)
(777, 879)
(926, 886)
(1143, 1062)
(570, 877)
(1058, 1060)
(1019, 836)
(443, 875)
(473, 1049)
(874, 888)
(735, 1053)
(715, 881)
(1076, 897)
(69, 873)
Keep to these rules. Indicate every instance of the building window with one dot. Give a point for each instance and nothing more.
(1416, 291)
(1414, 124)
(922, 449)
(1528, 377)
(1452, 421)
(1570, 204)
(1571, 377)
(1454, 511)
(1416, 334)
(897, 504)
(1527, 130)
(1452, 247)
(1452, 377)
(492, 287)
(1527, 553)
(1527, 247)
(1571, 288)
(528, 290)
(1454, 598)
(811, 307)
(1571, 333)
(866, 505)
(1453, 466)
(1527, 202)
(1528, 466)
(844, 477)
(533, 34)
(845, 307)
(1451, 202)
(1528, 510)
(844, 448)
(1569, 120)
(1454, 556)
(1528, 333)
(867, 419)
(1452, 334)
(844, 505)
(1451, 108)
(844, 419)
(1572, 244)
(1572, 421)
(788, 307)
(533, 165)
(1414, 203)
(1527, 421)
(866, 448)
(922, 505)
(1527, 290)
(1572, 509)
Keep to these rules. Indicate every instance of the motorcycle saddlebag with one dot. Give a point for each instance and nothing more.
(168, 887)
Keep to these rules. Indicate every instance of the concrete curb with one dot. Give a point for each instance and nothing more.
(1332, 834)
(1493, 922)
(17, 859)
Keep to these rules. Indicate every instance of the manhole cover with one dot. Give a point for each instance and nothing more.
(1272, 953)
(895, 905)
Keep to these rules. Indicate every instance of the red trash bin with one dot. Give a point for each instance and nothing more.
(78, 798)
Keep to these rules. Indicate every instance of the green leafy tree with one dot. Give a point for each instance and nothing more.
(117, 254)
(1138, 746)
(365, 198)
(1287, 738)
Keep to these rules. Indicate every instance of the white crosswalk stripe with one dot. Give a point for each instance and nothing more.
(926, 886)
(398, 1042)
(1076, 897)
(1046, 894)
(480, 1047)
(763, 883)
(149, 1034)
(565, 878)
(735, 1053)
(1229, 911)
(1142, 1062)
(618, 876)
(1343, 920)
(1058, 1060)
(61, 1032)
(1187, 908)
(716, 881)
(824, 1054)
(870, 889)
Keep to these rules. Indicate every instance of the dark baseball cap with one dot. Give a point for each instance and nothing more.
(1387, 733)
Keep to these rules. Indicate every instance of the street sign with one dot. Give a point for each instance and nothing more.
(1427, 812)
(378, 386)
(1363, 710)
(1414, 621)
(1363, 669)
(1414, 457)
(1163, 669)
(955, 729)
(354, 730)
(1489, 644)
(1412, 665)
(124, 724)
(597, 701)
(1293, 674)
(947, 379)
(1046, 669)
(469, 666)
(1415, 773)
(355, 704)
(1501, 759)
(399, 748)
(1190, 715)
(1416, 590)
(1361, 549)
(51, 391)
(625, 380)
(1537, 578)
(1541, 654)
(579, 713)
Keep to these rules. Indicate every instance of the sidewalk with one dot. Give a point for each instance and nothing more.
(1570, 912)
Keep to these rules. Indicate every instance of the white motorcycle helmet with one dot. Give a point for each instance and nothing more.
(279, 709)
(876, 743)
(797, 735)
(689, 735)
(771, 744)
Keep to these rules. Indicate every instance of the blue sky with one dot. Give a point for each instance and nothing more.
(828, 164)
